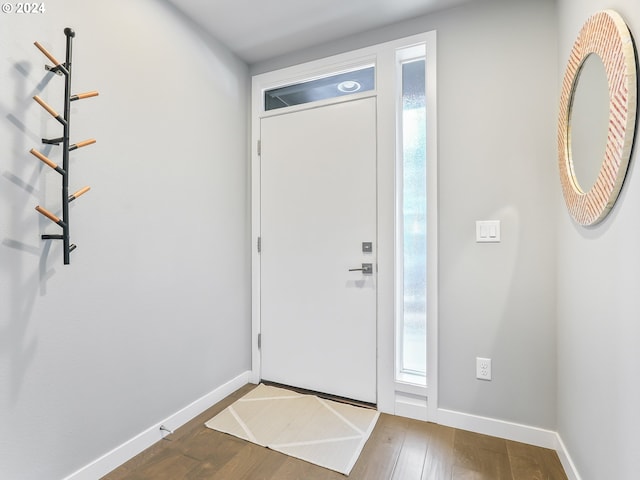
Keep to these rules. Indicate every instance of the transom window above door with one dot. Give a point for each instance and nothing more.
(337, 85)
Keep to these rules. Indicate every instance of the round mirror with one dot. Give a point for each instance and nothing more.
(590, 186)
(589, 122)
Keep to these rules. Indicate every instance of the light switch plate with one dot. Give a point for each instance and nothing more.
(488, 231)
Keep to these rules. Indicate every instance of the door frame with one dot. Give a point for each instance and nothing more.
(393, 397)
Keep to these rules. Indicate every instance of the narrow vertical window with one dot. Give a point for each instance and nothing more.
(412, 224)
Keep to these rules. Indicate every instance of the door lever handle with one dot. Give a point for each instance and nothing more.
(367, 269)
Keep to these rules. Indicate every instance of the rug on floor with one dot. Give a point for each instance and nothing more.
(323, 432)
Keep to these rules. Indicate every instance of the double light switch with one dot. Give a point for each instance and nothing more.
(488, 231)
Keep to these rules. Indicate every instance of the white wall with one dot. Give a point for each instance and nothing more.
(153, 311)
(497, 104)
(599, 308)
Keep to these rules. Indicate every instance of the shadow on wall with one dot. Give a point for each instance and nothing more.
(23, 285)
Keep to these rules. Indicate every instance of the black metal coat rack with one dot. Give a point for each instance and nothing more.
(63, 69)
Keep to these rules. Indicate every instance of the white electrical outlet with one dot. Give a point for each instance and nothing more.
(483, 368)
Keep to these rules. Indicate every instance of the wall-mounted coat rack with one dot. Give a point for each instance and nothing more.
(63, 69)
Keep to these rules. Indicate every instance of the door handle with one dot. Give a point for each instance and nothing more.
(367, 269)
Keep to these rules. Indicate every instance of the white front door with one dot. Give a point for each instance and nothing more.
(318, 222)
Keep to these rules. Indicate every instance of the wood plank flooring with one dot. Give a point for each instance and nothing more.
(398, 449)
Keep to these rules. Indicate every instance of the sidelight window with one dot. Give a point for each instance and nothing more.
(411, 219)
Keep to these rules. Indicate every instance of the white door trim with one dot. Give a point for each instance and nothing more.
(383, 56)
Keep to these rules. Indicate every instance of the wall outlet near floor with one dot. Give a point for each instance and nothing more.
(483, 368)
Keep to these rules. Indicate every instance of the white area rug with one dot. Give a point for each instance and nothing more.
(323, 432)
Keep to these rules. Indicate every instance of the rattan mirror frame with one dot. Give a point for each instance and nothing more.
(605, 34)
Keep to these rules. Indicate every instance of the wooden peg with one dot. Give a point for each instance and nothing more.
(46, 106)
(43, 158)
(47, 54)
(48, 214)
(82, 191)
(80, 96)
(84, 143)
(50, 109)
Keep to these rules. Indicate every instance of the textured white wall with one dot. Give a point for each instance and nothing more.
(599, 308)
(497, 104)
(154, 310)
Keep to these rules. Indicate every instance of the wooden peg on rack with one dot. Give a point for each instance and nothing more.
(75, 195)
(50, 109)
(56, 64)
(80, 96)
(49, 215)
(84, 143)
(46, 160)
(47, 54)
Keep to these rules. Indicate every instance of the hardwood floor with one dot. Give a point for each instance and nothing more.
(398, 449)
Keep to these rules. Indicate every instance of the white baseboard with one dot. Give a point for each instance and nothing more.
(498, 428)
(511, 431)
(406, 406)
(116, 457)
(568, 465)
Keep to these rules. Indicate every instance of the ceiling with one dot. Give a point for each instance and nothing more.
(258, 30)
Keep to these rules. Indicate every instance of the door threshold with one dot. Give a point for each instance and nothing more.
(326, 396)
